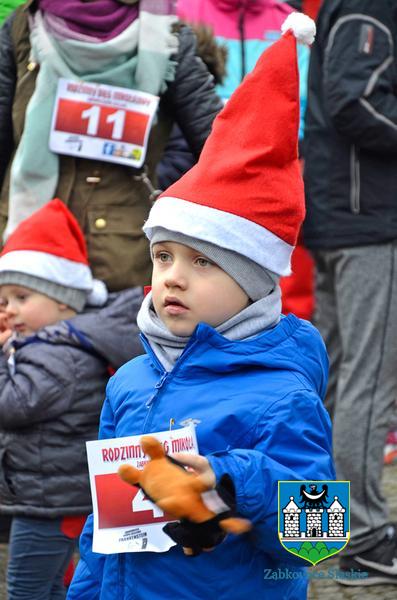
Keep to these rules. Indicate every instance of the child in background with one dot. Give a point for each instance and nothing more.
(53, 371)
(220, 354)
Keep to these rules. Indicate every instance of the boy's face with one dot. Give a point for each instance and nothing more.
(28, 311)
(187, 288)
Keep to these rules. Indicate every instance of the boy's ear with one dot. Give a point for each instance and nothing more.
(63, 306)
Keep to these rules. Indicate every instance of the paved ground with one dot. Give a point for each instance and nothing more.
(325, 589)
(328, 589)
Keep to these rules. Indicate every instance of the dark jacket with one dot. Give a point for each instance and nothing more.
(178, 157)
(108, 200)
(351, 126)
(50, 403)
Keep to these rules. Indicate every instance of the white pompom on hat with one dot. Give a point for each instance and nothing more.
(302, 26)
(47, 253)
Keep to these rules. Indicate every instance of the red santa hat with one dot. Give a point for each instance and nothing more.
(245, 194)
(47, 253)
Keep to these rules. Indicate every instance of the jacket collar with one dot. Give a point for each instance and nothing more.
(205, 335)
(293, 345)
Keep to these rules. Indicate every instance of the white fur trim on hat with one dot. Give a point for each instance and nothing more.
(99, 293)
(302, 26)
(48, 266)
(224, 229)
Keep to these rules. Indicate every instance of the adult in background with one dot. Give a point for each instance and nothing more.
(351, 227)
(134, 44)
(243, 28)
(246, 28)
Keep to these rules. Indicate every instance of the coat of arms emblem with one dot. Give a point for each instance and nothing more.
(314, 518)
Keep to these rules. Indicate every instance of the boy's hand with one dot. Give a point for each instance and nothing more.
(204, 515)
(198, 464)
(195, 538)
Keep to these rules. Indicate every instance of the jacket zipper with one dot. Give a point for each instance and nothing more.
(157, 388)
(150, 402)
(242, 40)
(166, 376)
(354, 181)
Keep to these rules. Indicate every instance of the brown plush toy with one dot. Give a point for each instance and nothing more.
(176, 491)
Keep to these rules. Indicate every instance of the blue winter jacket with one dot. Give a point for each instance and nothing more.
(257, 406)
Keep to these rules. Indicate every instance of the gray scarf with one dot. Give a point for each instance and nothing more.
(261, 315)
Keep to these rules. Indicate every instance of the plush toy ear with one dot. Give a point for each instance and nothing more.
(129, 474)
(152, 447)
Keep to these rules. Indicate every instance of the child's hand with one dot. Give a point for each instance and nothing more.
(4, 336)
(3, 317)
(5, 331)
(205, 536)
(200, 465)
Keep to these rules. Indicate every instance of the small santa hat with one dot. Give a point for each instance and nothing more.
(47, 253)
(245, 194)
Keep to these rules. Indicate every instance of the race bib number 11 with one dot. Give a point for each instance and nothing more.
(102, 122)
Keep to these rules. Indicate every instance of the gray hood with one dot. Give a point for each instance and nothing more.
(112, 330)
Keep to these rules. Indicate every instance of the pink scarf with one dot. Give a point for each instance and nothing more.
(100, 19)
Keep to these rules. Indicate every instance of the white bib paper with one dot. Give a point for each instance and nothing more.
(102, 122)
(124, 519)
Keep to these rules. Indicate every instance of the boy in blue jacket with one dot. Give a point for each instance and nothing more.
(220, 355)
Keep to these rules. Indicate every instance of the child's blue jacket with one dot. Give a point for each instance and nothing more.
(257, 405)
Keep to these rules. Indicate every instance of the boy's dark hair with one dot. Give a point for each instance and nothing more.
(212, 53)
(297, 4)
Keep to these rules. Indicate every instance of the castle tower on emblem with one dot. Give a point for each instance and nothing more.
(291, 519)
(314, 522)
(336, 519)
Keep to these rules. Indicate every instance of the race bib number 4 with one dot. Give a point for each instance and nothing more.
(102, 122)
(125, 520)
